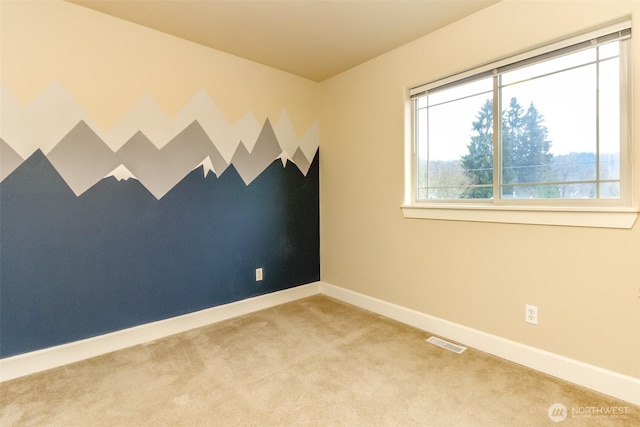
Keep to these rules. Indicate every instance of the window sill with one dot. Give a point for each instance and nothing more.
(575, 217)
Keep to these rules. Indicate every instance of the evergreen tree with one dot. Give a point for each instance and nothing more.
(478, 164)
(525, 151)
(512, 141)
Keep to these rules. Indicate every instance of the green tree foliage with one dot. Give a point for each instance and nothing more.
(525, 152)
(478, 164)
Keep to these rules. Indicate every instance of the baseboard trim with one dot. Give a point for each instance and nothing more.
(611, 383)
(608, 382)
(52, 357)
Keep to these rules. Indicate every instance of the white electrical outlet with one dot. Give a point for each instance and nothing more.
(531, 314)
(258, 274)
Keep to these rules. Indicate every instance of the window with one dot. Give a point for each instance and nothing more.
(548, 129)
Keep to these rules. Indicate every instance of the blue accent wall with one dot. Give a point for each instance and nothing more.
(73, 267)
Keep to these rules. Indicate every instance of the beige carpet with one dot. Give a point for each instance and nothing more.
(315, 362)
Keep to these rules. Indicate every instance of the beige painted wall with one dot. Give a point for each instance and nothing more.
(108, 64)
(585, 281)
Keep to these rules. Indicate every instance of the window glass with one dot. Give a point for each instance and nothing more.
(544, 121)
(609, 120)
(557, 136)
(445, 127)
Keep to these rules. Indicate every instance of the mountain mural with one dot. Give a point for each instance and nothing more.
(156, 150)
(118, 256)
(155, 217)
(250, 164)
(160, 169)
(9, 159)
(82, 159)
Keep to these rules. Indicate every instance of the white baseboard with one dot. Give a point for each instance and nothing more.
(52, 357)
(614, 384)
(611, 383)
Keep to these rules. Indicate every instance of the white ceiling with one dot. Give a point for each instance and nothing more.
(315, 39)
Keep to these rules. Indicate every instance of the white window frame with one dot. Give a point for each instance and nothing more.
(619, 213)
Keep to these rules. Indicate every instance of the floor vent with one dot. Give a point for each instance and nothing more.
(445, 344)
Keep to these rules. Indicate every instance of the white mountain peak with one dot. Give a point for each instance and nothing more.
(145, 116)
(289, 140)
(225, 135)
(207, 166)
(284, 158)
(286, 134)
(310, 141)
(121, 173)
(42, 123)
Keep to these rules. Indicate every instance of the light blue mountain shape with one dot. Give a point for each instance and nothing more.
(9, 159)
(265, 151)
(161, 169)
(82, 158)
(301, 161)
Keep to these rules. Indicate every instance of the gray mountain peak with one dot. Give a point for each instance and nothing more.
(9, 159)
(301, 161)
(265, 151)
(159, 170)
(82, 158)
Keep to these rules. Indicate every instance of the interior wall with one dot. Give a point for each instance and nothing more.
(585, 281)
(143, 176)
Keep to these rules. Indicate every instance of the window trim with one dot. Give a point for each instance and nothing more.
(538, 215)
(569, 213)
